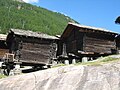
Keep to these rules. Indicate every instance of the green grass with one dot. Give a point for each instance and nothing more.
(100, 61)
(2, 76)
(58, 65)
(109, 59)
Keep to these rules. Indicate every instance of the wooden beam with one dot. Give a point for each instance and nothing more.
(82, 52)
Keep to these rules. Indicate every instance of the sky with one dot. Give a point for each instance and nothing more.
(96, 13)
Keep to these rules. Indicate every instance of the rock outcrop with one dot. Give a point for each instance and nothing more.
(82, 77)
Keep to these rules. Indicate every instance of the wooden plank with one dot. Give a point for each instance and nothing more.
(101, 42)
(101, 46)
(98, 45)
(82, 52)
(98, 50)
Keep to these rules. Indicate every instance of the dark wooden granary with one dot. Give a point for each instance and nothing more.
(85, 41)
(31, 48)
(3, 46)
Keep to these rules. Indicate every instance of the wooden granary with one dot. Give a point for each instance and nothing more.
(31, 48)
(85, 41)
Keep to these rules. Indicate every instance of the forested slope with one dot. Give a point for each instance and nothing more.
(19, 15)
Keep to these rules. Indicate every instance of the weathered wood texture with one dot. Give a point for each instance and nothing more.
(80, 39)
(37, 53)
(28, 50)
(31, 47)
(99, 44)
(59, 48)
(74, 42)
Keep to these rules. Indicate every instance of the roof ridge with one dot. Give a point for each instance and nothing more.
(91, 27)
(32, 33)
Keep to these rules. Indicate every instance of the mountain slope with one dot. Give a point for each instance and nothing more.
(26, 16)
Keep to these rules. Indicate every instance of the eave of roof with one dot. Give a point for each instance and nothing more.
(3, 37)
(90, 27)
(32, 34)
(95, 29)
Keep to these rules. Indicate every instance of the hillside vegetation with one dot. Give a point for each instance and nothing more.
(19, 15)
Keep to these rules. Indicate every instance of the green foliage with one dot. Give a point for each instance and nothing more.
(117, 21)
(14, 14)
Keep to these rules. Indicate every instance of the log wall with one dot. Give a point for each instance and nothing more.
(99, 44)
(35, 53)
(33, 50)
(74, 42)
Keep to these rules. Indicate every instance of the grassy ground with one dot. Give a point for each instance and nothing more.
(97, 62)
(2, 76)
(58, 65)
